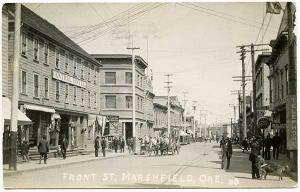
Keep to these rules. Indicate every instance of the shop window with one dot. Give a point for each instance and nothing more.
(110, 102)
(110, 77)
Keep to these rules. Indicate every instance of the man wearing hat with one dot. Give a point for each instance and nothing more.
(103, 145)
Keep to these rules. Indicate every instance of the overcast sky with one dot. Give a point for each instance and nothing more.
(195, 42)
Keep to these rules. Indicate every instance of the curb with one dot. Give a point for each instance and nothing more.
(13, 173)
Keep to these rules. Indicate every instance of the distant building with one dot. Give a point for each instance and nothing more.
(160, 119)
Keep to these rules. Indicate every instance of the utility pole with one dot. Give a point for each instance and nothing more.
(168, 82)
(184, 113)
(292, 92)
(133, 95)
(15, 93)
(234, 117)
(194, 119)
(243, 52)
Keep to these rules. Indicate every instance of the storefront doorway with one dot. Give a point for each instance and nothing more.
(128, 130)
(64, 127)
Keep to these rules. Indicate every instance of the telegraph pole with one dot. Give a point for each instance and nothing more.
(243, 52)
(184, 114)
(15, 93)
(133, 94)
(194, 119)
(168, 82)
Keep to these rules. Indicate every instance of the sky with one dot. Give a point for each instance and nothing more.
(195, 42)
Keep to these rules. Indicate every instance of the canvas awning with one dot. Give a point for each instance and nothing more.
(56, 116)
(182, 133)
(39, 108)
(6, 106)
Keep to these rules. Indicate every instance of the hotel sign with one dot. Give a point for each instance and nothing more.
(68, 79)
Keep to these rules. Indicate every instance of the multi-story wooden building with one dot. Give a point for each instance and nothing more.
(59, 82)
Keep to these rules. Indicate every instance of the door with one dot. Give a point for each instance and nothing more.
(128, 130)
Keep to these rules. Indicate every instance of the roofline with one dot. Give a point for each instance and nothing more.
(119, 56)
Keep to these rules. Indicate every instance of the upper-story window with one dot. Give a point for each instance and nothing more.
(89, 72)
(110, 78)
(141, 81)
(82, 70)
(82, 97)
(89, 99)
(57, 91)
(128, 77)
(74, 95)
(110, 102)
(35, 85)
(24, 44)
(128, 102)
(57, 55)
(24, 82)
(78, 62)
(287, 80)
(46, 53)
(95, 101)
(66, 63)
(36, 49)
(67, 93)
(74, 67)
(46, 88)
(138, 80)
(95, 75)
(70, 62)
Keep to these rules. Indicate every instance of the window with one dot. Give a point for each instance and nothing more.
(70, 62)
(67, 93)
(128, 77)
(24, 44)
(82, 70)
(138, 104)
(282, 86)
(95, 76)
(24, 82)
(271, 91)
(110, 102)
(89, 72)
(74, 95)
(110, 77)
(35, 85)
(89, 99)
(287, 80)
(82, 97)
(141, 104)
(36, 50)
(74, 67)
(93, 71)
(66, 63)
(46, 53)
(141, 82)
(95, 102)
(46, 88)
(138, 80)
(57, 58)
(57, 91)
(128, 102)
(78, 60)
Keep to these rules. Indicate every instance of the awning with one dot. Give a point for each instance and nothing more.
(182, 133)
(91, 119)
(6, 106)
(39, 108)
(56, 116)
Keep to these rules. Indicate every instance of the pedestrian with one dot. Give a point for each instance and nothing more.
(115, 144)
(119, 144)
(268, 144)
(245, 145)
(122, 145)
(254, 159)
(276, 141)
(43, 148)
(97, 146)
(128, 145)
(223, 152)
(103, 145)
(63, 147)
(228, 152)
(25, 151)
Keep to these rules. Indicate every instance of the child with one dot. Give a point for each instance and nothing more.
(25, 151)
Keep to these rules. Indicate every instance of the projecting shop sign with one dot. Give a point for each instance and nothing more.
(291, 123)
(68, 79)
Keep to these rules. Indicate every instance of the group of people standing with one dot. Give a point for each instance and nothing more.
(100, 144)
(118, 143)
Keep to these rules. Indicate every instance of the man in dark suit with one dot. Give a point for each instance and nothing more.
(254, 158)
(64, 146)
(276, 144)
(43, 148)
(97, 146)
(268, 144)
(103, 145)
(228, 152)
